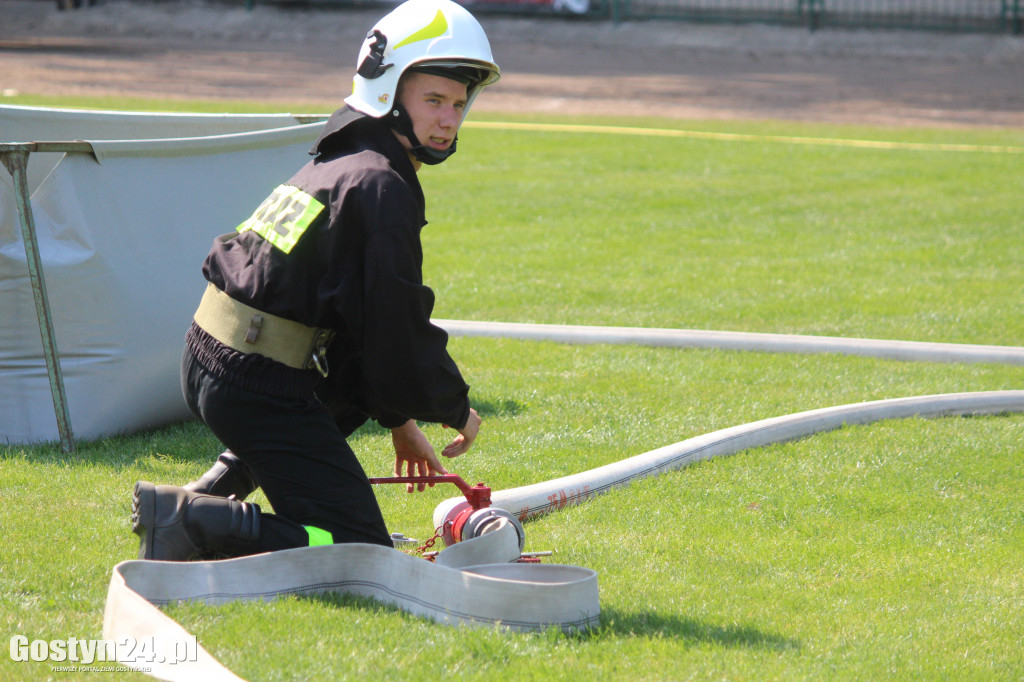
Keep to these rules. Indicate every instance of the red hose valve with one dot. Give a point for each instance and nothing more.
(471, 521)
(478, 496)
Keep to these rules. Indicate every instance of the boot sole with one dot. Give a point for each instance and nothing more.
(143, 516)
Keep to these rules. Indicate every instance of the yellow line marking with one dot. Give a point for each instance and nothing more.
(742, 137)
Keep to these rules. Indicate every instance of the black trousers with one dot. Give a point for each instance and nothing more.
(298, 455)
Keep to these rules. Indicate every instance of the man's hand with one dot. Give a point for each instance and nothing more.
(415, 454)
(467, 434)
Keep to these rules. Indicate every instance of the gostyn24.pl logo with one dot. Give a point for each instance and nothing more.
(88, 651)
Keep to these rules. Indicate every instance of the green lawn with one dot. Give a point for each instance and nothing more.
(888, 551)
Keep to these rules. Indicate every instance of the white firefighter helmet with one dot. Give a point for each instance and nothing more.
(437, 36)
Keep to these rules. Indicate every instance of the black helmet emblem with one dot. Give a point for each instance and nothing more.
(371, 67)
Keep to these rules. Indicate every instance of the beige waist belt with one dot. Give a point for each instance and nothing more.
(249, 330)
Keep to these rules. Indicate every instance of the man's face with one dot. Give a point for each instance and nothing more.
(435, 105)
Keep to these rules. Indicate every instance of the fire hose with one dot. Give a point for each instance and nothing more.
(533, 500)
(472, 581)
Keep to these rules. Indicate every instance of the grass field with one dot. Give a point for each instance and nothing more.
(889, 551)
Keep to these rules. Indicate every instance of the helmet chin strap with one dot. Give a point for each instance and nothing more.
(400, 120)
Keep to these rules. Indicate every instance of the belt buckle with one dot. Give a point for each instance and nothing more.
(319, 355)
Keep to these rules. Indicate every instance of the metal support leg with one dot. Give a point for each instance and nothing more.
(16, 161)
(810, 12)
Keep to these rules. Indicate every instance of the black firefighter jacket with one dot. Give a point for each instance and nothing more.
(338, 246)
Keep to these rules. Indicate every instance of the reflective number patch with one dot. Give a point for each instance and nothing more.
(283, 217)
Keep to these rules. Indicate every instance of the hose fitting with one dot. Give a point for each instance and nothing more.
(469, 519)
(471, 523)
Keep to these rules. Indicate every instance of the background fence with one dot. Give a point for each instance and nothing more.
(945, 15)
(988, 16)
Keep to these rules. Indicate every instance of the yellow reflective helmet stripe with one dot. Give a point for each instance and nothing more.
(318, 536)
(283, 217)
(435, 29)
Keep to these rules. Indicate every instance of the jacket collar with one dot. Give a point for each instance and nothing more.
(351, 130)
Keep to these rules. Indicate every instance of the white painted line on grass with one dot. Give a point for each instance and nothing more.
(743, 137)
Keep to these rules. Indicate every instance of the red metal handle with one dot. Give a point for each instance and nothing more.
(440, 478)
(478, 496)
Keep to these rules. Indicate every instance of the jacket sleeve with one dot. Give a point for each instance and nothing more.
(404, 370)
(408, 370)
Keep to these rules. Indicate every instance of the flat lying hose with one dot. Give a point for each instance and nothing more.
(471, 583)
(534, 500)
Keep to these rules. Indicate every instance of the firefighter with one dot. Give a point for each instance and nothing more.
(315, 316)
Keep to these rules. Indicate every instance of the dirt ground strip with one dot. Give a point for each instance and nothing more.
(191, 49)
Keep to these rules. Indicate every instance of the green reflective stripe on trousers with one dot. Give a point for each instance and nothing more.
(318, 536)
(283, 217)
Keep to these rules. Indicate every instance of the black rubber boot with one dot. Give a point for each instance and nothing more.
(229, 476)
(174, 524)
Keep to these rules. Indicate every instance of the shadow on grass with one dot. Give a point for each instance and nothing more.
(614, 623)
(487, 409)
(624, 624)
(189, 441)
